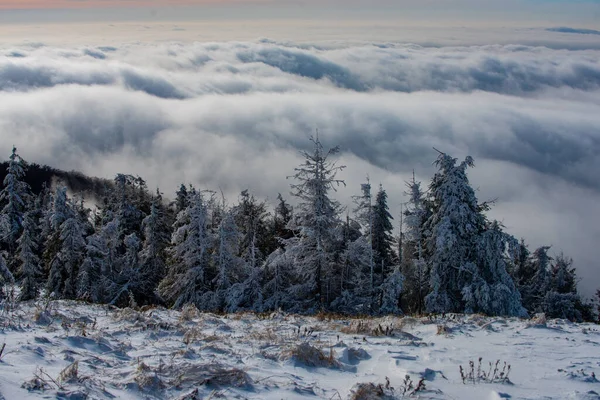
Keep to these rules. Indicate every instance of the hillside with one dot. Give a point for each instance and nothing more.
(157, 353)
(39, 175)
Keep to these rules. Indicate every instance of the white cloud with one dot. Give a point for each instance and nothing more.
(233, 115)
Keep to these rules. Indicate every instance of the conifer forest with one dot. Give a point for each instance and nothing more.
(122, 244)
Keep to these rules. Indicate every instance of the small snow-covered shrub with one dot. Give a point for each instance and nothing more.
(35, 384)
(149, 382)
(407, 323)
(368, 327)
(191, 335)
(228, 377)
(371, 391)
(70, 373)
(129, 315)
(189, 312)
(444, 330)
(309, 356)
(538, 321)
(265, 335)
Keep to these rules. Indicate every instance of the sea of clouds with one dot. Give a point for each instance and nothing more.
(233, 115)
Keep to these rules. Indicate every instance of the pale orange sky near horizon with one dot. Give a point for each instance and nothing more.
(46, 4)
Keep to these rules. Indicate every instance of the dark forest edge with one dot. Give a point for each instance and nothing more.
(135, 248)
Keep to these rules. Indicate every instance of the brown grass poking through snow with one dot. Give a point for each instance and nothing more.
(309, 356)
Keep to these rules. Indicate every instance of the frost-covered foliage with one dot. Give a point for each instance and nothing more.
(230, 267)
(391, 292)
(316, 221)
(5, 275)
(64, 267)
(137, 249)
(561, 300)
(454, 226)
(190, 252)
(383, 241)
(468, 254)
(361, 252)
(152, 257)
(30, 271)
(15, 196)
(492, 290)
(414, 266)
(279, 277)
(356, 296)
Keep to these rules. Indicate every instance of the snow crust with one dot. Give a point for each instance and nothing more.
(72, 350)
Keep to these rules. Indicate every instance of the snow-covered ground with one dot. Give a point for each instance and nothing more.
(73, 350)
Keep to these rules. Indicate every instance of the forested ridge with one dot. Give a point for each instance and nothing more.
(136, 248)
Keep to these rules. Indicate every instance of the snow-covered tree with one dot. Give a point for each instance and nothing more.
(281, 219)
(64, 269)
(30, 271)
(316, 220)
(90, 279)
(453, 230)
(6, 277)
(533, 278)
(391, 291)
(383, 240)
(97, 273)
(364, 215)
(186, 280)
(14, 197)
(414, 265)
(251, 218)
(561, 299)
(181, 199)
(278, 278)
(230, 267)
(124, 283)
(492, 290)
(153, 254)
(356, 295)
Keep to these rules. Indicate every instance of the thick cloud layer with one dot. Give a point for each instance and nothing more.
(233, 115)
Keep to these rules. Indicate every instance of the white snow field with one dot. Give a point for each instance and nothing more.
(71, 350)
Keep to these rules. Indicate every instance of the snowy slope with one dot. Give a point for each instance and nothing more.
(160, 353)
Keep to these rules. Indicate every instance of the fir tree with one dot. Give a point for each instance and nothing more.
(29, 270)
(561, 299)
(454, 226)
(364, 215)
(391, 291)
(181, 199)
(383, 241)
(356, 295)
(153, 253)
(15, 197)
(315, 222)
(186, 281)
(414, 267)
(230, 267)
(492, 290)
(62, 281)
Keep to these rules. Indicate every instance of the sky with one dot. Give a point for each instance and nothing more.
(224, 95)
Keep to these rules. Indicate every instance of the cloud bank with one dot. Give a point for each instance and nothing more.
(233, 115)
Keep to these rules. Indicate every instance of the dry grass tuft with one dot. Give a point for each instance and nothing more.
(538, 321)
(266, 335)
(371, 391)
(369, 327)
(189, 312)
(70, 373)
(129, 315)
(309, 356)
(444, 330)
